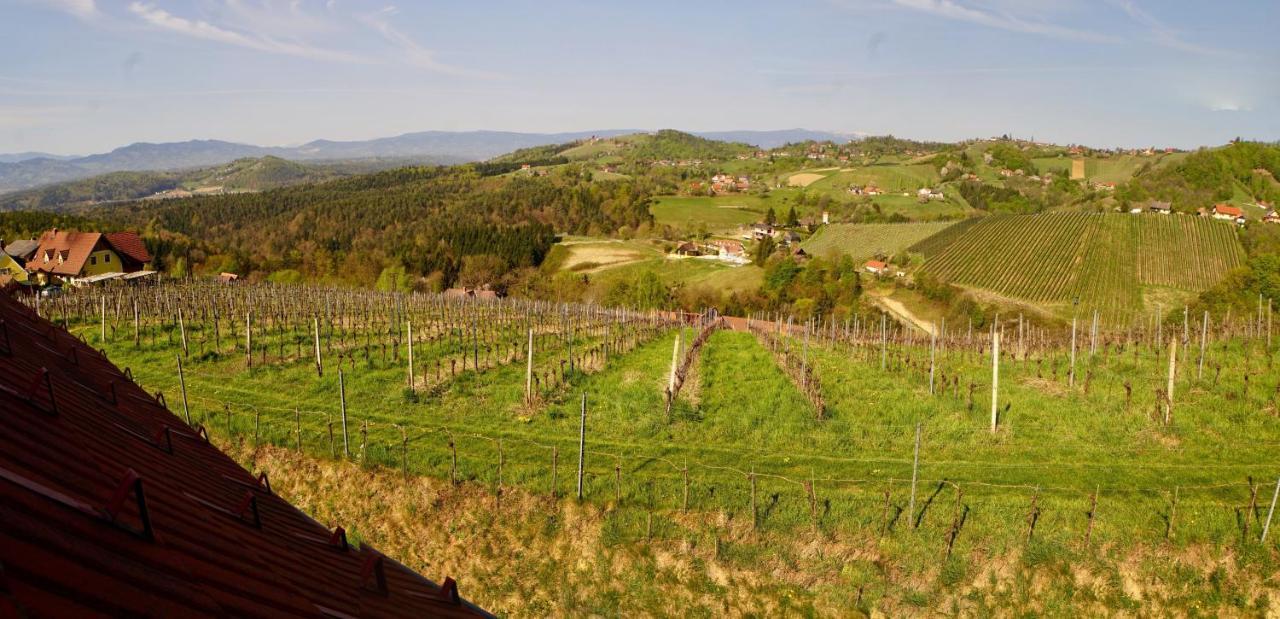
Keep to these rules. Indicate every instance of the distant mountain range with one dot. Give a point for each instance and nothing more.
(25, 170)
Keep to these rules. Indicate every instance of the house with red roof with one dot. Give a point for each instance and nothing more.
(70, 256)
(875, 267)
(1228, 212)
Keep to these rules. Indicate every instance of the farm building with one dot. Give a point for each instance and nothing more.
(688, 248)
(1164, 208)
(759, 232)
(113, 506)
(68, 256)
(724, 247)
(228, 278)
(20, 250)
(875, 267)
(1272, 218)
(790, 237)
(925, 194)
(1228, 212)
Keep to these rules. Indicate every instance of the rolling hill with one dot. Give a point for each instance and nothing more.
(1119, 264)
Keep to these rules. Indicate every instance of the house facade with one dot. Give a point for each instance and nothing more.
(64, 256)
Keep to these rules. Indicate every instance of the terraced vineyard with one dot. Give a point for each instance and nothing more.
(867, 240)
(1117, 264)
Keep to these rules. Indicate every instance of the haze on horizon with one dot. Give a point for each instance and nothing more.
(86, 76)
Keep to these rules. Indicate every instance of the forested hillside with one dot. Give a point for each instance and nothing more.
(422, 220)
(1241, 169)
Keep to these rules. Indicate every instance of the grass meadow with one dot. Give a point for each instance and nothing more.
(1020, 498)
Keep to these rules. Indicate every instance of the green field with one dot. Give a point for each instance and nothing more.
(866, 240)
(719, 213)
(833, 525)
(1119, 264)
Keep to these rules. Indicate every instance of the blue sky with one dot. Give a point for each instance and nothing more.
(81, 76)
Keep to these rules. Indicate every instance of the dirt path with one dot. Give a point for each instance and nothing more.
(900, 311)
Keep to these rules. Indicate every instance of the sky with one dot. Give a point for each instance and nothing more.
(86, 76)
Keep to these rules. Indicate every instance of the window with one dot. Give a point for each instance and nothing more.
(93, 260)
(107, 258)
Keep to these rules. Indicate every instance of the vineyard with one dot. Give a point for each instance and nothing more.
(1119, 265)
(852, 435)
(868, 240)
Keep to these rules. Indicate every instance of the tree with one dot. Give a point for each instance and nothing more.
(792, 220)
(394, 279)
(481, 270)
(770, 217)
(764, 250)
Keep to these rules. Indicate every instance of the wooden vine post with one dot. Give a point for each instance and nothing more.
(342, 403)
(528, 376)
(1173, 366)
(315, 329)
(582, 442)
(995, 378)
(409, 326)
(915, 476)
(182, 382)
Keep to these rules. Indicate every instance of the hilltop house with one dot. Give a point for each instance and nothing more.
(875, 267)
(73, 257)
(1228, 213)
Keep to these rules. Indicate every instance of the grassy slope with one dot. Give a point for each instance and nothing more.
(866, 240)
(1060, 439)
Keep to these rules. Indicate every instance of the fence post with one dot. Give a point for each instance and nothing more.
(995, 379)
(342, 402)
(582, 442)
(915, 475)
(409, 324)
(528, 375)
(755, 514)
(1267, 527)
(1204, 335)
(315, 327)
(182, 382)
(297, 425)
(1173, 365)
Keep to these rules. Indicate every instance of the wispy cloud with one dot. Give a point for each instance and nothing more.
(200, 29)
(1164, 35)
(408, 49)
(1002, 19)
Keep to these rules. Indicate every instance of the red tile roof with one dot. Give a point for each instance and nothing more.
(75, 247)
(111, 506)
(1225, 209)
